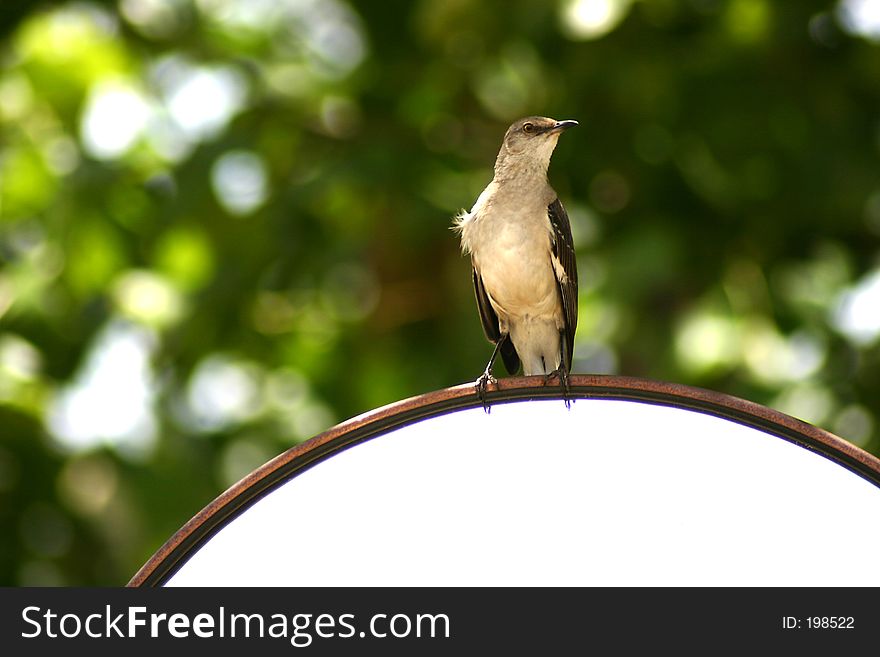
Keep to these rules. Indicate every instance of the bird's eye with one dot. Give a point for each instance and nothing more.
(528, 128)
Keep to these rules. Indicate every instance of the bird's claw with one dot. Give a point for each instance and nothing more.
(562, 374)
(482, 385)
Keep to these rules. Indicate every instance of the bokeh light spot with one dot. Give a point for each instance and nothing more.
(860, 17)
(856, 313)
(223, 391)
(591, 19)
(115, 116)
(110, 400)
(240, 182)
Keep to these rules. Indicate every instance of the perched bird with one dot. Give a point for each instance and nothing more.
(525, 275)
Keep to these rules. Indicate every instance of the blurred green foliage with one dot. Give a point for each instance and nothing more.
(225, 227)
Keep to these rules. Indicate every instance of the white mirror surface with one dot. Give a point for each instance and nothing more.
(608, 493)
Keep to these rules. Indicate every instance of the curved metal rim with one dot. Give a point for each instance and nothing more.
(189, 538)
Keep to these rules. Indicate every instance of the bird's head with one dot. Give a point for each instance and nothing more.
(529, 142)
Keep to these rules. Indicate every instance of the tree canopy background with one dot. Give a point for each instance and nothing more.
(225, 227)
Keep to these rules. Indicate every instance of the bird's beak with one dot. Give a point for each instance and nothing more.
(563, 125)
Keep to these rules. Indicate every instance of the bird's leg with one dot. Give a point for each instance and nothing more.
(486, 377)
(562, 372)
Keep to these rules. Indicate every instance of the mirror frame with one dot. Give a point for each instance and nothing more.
(235, 500)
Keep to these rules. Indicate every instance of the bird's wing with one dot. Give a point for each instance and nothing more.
(489, 319)
(487, 313)
(565, 268)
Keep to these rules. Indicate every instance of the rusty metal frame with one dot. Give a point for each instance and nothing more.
(189, 538)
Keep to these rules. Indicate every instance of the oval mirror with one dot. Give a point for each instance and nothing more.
(636, 483)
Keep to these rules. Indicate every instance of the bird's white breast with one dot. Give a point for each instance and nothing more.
(508, 236)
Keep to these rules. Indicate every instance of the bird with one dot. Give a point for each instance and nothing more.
(518, 236)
